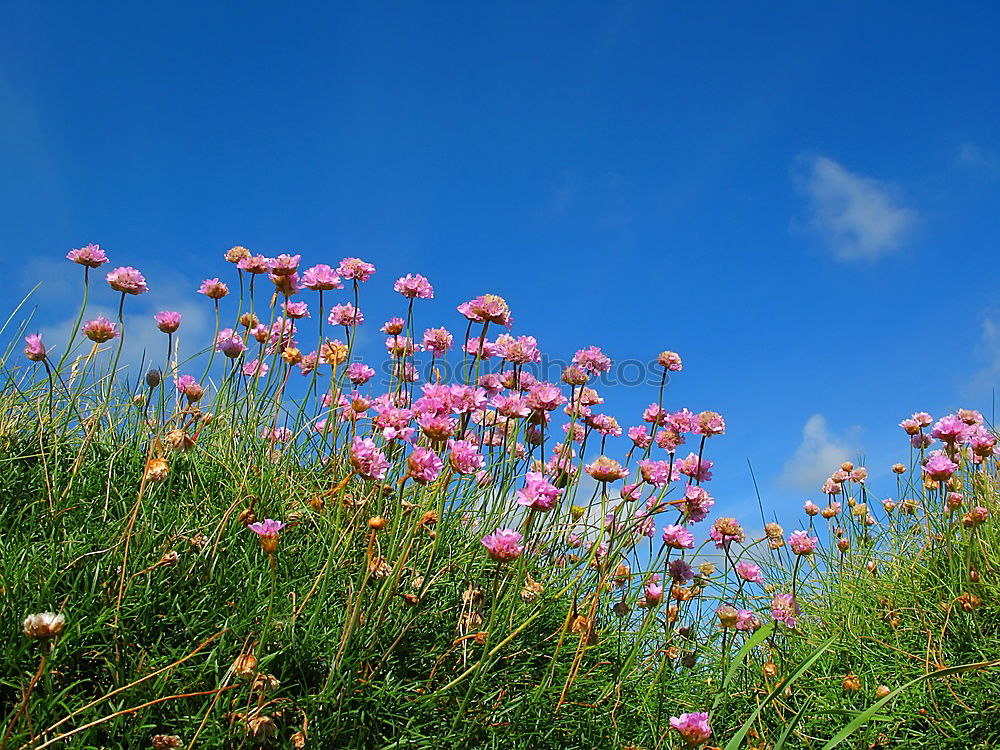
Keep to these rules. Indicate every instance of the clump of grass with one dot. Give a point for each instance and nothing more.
(286, 550)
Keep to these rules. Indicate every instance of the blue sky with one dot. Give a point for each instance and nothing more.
(802, 201)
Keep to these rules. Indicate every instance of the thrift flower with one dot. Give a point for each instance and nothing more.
(213, 289)
(488, 308)
(100, 329)
(43, 625)
(503, 545)
(321, 278)
(592, 360)
(669, 360)
(464, 457)
(34, 348)
(414, 286)
(678, 537)
(267, 531)
(127, 280)
(693, 727)
(801, 543)
(785, 609)
(939, 467)
(89, 255)
(355, 269)
(367, 459)
(359, 373)
(749, 572)
(538, 493)
(605, 469)
(168, 321)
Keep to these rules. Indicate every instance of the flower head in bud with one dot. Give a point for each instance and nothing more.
(43, 625)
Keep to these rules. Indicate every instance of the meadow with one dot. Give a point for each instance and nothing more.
(258, 539)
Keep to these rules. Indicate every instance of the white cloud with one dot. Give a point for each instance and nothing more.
(820, 453)
(974, 157)
(857, 216)
(988, 376)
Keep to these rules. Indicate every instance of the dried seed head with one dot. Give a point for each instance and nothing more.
(706, 569)
(166, 741)
(620, 608)
(770, 670)
(265, 683)
(852, 683)
(237, 253)
(299, 740)
(379, 567)
(376, 523)
(882, 691)
(531, 591)
(44, 625)
(157, 470)
(847, 466)
(899, 468)
(247, 516)
(198, 541)
(291, 355)
(179, 440)
(260, 727)
(170, 558)
(245, 666)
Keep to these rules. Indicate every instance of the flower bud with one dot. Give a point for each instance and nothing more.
(882, 691)
(43, 625)
(153, 377)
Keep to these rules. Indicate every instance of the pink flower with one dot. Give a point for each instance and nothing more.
(939, 467)
(831, 487)
(678, 537)
(367, 459)
(923, 419)
(656, 473)
(696, 503)
(801, 543)
(355, 269)
(255, 264)
(464, 457)
(693, 727)
(359, 373)
(519, 351)
(437, 341)
(257, 368)
(640, 437)
(213, 289)
(746, 620)
(654, 593)
(538, 493)
(167, 321)
(414, 286)
(605, 469)
(345, 315)
(479, 348)
(785, 609)
(100, 329)
(592, 360)
(321, 278)
(545, 397)
(267, 527)
(749, 572)
(950, 430)
(810, 508)
(503, 545)
(230, 343)
(710, 423)
(725, 531)
(34, 348)
(189, 386)
(285, 284)
(487, 308)
(89, 255)
(437, 427)
(424, 465)
(285, 265)
(671, 361)
(127, 280)
(393, 326)
(278, 434)
(296, 310)
(695, 467)
(656, 414)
